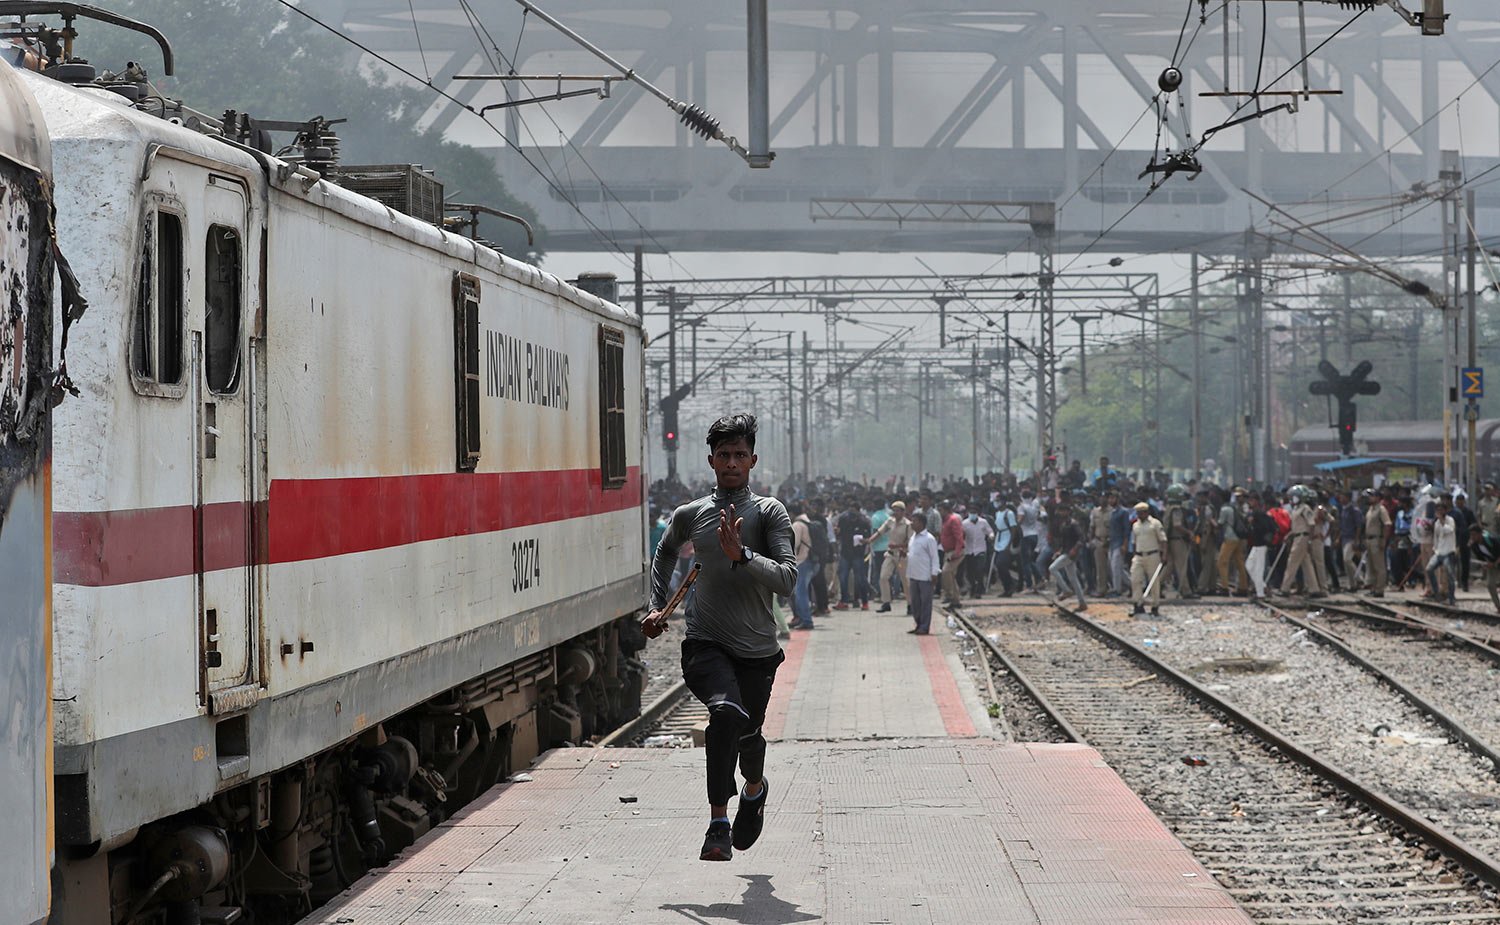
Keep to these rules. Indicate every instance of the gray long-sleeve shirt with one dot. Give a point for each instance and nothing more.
(732, 603)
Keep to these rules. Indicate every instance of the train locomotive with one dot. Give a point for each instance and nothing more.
(349, 517)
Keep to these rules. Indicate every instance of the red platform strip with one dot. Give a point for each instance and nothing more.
(319, 518)
(950, 702)
(786, 684)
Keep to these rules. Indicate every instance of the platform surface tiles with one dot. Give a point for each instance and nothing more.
(891, 802)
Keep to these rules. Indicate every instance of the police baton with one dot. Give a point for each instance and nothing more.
(1154, 577)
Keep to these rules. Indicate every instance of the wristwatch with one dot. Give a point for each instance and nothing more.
(746, 555)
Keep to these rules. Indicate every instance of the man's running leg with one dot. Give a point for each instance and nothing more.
(756, 678)
(710, 674)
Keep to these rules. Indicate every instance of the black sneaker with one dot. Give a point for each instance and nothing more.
(749, 818)
(717, 843)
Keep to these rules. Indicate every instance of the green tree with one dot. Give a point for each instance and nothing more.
(256, 57)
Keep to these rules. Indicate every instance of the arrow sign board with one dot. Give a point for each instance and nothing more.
(1471, 382)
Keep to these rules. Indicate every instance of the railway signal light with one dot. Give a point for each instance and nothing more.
(669, 424)
(1344, 388)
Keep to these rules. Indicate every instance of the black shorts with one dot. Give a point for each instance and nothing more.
(718, 678)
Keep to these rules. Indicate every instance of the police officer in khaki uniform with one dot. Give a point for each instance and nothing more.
(1300, 557)
(1377, 532)
(1099, 537)
(1150, 541)
(1487, 509)
(1180, 538)
(899, 529)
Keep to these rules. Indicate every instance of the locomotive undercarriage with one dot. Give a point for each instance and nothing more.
(274, 848)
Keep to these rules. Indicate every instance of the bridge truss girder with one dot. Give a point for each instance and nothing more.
(1039, 56)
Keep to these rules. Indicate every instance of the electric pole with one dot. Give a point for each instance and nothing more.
(806, 389)
(974, 402)
(791, 412)
(1196, 325)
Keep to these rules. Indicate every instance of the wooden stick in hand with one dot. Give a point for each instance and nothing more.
(656, 621)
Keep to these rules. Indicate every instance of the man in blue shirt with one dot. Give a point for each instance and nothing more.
(1104, 477)
(1007, 533)
(877, 546)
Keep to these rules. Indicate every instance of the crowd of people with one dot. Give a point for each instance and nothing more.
(1099, 534)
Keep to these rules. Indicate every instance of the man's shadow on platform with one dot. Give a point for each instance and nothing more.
(759, 906)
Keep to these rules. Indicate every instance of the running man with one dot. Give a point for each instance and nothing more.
(730, 653)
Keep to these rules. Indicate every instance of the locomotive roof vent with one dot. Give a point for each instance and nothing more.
(604, 285)
(406, 188)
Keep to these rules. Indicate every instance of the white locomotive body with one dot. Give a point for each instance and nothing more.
(341, 490)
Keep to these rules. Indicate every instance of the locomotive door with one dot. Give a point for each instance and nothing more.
(222, 383)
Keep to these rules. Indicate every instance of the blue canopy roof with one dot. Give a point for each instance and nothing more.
(1370, 461)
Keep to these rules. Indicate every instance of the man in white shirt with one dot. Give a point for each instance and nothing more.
(922, 566)
(1444, 553)
(1029, 514)
(977, 534)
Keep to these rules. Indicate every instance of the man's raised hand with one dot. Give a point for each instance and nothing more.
(729, 535)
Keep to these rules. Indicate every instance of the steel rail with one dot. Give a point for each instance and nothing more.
(1484, 646)
(650, 716)
(1032, 690)
(1476, 862)
(1460, 613)
(1440, 716)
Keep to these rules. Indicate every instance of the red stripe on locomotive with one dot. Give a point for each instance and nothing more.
(321, 518)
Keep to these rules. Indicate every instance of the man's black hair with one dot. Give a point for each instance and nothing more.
(732, 427)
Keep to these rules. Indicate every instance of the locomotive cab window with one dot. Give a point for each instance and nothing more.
(156, 340)
(466, 365)
(221, 300)
(612, 468)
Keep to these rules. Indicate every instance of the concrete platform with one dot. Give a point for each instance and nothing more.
(859, 674)
(931, 821)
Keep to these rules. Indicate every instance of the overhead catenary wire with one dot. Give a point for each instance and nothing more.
(609, 244)
(477, 25)
(1208, 134)
(1150, 105)
(411, 5)
(609, 192)
(1390, 149)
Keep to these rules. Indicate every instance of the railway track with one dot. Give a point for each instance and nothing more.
(1480, 618)
(667, 722)
(1443, 672)
(1293, 838)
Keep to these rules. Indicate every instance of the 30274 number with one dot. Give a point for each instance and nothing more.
(526, 565)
